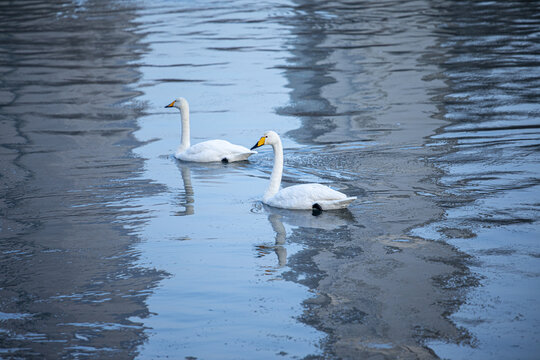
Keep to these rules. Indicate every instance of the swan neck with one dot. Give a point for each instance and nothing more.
(185, 143)
(277, 171)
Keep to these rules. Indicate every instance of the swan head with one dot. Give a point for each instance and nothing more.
(179, 103)
(269, 138)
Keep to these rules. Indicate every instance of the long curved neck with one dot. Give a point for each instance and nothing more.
(184, 113)
(277, 171)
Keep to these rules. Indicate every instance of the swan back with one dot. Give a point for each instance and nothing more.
(213, 151)
(305, 196)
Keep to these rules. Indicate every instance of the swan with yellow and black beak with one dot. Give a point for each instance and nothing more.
(206, 151)
(316, 197)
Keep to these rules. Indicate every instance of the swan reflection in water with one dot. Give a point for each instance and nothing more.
(186, 199)
(204, 172)
(327, 221)
(278, 248)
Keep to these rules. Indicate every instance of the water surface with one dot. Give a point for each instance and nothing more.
(427, 112)
(69, 279)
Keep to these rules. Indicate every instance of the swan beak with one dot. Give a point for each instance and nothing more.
(171, 104)
(259, 143)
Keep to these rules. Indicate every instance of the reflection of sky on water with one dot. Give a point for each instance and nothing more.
(67, 177)
(366, 108)
(490, 175)
(217, 295)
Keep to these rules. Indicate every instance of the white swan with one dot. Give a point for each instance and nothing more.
(206, 151)
(314, 197)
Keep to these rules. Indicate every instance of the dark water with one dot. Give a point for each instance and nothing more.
(490, 175)
(69, 282)
(428, 112)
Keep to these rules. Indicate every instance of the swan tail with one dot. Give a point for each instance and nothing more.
(335, 204)
(241, 156)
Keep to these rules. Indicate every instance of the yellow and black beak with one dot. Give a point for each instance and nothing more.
(171, 104)
(259, 143)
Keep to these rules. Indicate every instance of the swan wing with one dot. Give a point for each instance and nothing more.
(304, 196)
(215, 150)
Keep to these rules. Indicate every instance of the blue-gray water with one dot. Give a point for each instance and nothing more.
(427, 111)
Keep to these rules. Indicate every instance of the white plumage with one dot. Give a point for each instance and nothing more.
(298, 197)
(214, 150)
(206, 151)
(305, 196)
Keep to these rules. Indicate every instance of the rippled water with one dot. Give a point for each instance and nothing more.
(490, 176)
(428, 112)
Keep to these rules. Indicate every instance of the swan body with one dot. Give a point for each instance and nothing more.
(214, 150)
(305, 196)
(297, 197)
(206, 151)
